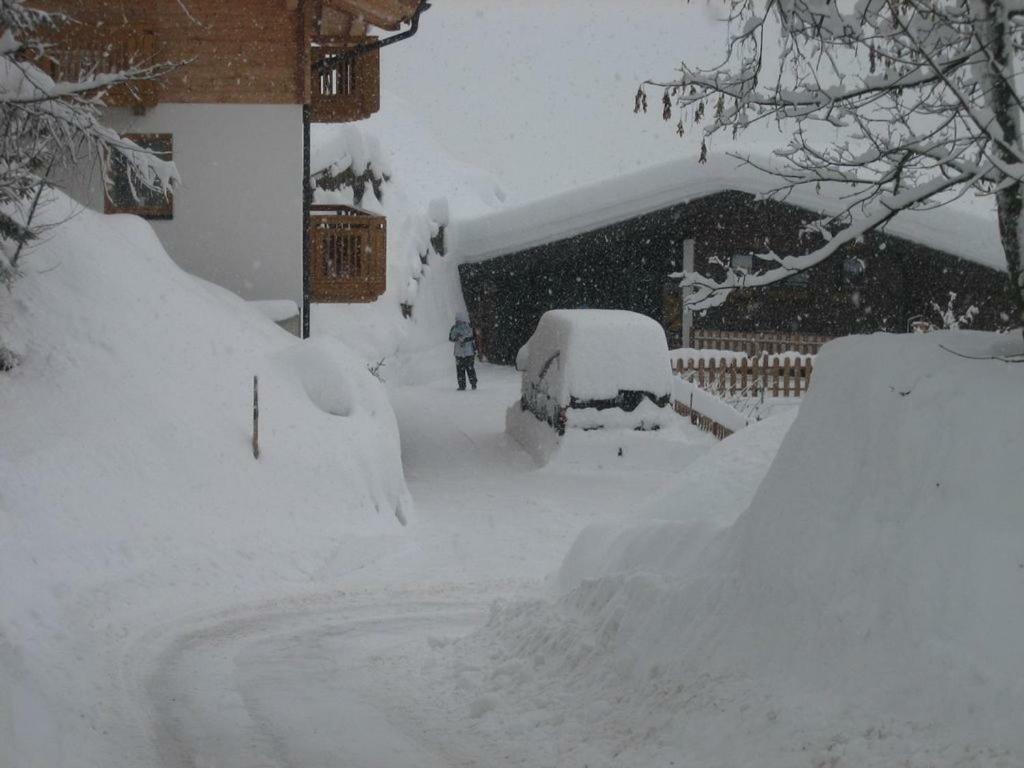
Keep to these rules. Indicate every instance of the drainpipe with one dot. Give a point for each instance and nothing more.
(307, 201)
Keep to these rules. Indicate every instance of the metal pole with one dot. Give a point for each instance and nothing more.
(307, 201)
(687, 319)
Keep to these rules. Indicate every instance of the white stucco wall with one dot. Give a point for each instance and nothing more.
(238, 213)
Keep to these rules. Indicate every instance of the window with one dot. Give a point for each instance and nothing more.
(125, 195)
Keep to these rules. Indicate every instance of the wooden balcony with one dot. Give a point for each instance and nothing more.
(343, 90)
(348, 253)
(82, 51)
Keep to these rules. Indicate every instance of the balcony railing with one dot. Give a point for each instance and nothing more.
(80, 51)
(343, 90)
(348, 250)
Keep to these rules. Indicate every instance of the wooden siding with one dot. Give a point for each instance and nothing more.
(348, 251)
(242, 52)
(347, 89)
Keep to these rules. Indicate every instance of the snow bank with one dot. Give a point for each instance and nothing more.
(129, 494)
(704, 499)
(865, 610)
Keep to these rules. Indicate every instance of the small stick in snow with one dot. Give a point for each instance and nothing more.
(255, 417)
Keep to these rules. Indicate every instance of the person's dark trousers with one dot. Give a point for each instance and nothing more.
(463, 366)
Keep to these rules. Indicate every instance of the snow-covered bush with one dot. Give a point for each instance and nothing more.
(953, 318)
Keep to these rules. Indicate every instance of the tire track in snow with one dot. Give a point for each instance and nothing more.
(288, 684)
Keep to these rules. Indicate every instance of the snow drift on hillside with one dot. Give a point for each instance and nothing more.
(866, 610)
(129, 494)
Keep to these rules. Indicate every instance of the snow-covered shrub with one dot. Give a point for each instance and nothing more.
(953, 318)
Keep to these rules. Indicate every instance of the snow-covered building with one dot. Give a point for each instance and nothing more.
(234, 117)
(614, 244)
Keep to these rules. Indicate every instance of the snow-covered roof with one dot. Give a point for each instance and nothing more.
(964, 228)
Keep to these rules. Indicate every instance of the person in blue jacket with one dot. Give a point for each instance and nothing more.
(465, 350)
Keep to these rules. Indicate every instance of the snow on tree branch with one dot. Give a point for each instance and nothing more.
(901, 104)
(51, 126)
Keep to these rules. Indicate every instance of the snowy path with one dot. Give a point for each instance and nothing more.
(310, 681)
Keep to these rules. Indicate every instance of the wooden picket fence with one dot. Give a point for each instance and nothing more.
(751, 377)
(702, 422)
(758, 343)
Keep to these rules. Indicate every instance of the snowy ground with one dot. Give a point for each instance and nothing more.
(314, 680)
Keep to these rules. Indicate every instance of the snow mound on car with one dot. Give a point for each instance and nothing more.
(866, 609)
(593, 354)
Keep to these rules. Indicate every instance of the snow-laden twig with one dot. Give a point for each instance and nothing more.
(904, 105)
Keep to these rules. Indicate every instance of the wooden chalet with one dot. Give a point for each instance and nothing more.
(234, 116)
(883, 283)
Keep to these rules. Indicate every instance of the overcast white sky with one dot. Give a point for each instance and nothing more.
(540, 92)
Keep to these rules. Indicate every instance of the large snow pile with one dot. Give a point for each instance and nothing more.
(129, 494)
(865, 610)
(702, 500)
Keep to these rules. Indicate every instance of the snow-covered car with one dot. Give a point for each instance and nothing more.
(596, 368)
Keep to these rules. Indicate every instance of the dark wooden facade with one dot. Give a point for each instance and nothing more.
(626, 266)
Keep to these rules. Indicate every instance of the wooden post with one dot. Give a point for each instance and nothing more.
(787, 370)
(687, 318)
(255, 417)
(775, 377)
